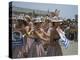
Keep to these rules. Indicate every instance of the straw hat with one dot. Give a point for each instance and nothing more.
(20, 18)
(56, 20)
(37, 20)
(46, 18)
(27, 16)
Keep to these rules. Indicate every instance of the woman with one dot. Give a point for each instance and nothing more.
(29, 35)
(37, 49)
(54, 49)
(45, 28)
(19, 31)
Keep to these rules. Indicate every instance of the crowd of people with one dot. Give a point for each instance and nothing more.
(36, 37)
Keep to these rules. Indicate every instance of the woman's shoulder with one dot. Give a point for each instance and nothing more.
(27, 27)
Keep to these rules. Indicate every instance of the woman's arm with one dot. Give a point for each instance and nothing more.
(47, 34)
(27, 30)
(28, 33)
(41, 37)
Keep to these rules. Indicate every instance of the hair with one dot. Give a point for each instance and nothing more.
(37, 25)
(53, 23)
(28, 19)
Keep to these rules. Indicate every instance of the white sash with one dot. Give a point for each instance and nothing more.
(63, 39)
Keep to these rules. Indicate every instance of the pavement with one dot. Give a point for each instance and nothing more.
(72, 49)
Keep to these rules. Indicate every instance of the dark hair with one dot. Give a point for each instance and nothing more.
(35, 24)
(53, 23)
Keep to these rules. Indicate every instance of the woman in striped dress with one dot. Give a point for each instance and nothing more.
(54, 49)
(37, 49)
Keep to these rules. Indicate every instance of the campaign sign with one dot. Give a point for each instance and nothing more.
(17, 39)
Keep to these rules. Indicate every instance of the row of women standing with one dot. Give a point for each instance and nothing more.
(40, 38)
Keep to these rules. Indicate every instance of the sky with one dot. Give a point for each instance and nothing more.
(66, 11)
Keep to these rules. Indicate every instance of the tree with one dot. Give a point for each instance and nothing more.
(69, 20)
(33, 14)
